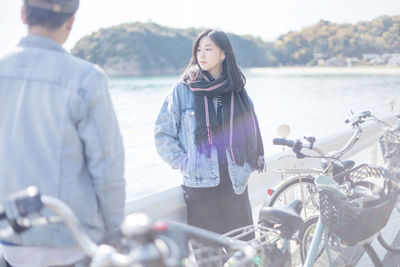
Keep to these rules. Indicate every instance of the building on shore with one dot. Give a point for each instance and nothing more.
(386, 59)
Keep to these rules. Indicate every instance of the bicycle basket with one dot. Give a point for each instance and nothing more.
(393, 144)
(354, 223)
(210, 254)
(267, 242)
(366, 172)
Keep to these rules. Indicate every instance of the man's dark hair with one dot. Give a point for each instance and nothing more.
(43, 17)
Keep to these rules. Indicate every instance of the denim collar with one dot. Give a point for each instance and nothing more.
(40, 42)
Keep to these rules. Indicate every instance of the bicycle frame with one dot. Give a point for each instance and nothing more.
(315, 244)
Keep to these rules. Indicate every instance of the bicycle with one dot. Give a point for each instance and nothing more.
(272, 235)
(390, 146)
(301, 184)
(351, 216)
(389, 143)
(163, 242)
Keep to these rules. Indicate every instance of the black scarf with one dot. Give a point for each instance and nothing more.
(239, 133)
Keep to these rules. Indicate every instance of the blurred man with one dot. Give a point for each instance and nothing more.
(58, 131)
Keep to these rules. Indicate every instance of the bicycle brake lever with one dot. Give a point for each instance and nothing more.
(300, 155)
(357, 119)
(297, 146)
(311, 140)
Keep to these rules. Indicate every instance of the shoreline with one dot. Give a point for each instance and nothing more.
(293, 70)
(326, 70)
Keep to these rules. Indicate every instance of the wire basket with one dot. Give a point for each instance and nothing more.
(354, 223)
(210, 254)
(366, 172)
(268, 243)
(393, 145)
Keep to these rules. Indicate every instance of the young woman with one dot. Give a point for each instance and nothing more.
(207, 128)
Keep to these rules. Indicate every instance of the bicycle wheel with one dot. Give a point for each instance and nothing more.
(389, 236)
(297, 187)
(332, 252)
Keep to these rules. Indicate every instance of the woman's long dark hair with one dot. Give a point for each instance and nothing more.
(229, 66)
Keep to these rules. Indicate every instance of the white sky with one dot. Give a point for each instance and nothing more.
(265, 18)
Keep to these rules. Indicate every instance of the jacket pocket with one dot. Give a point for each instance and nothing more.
(207, 167)
(187, 137)
(239, 174)
(198, 165)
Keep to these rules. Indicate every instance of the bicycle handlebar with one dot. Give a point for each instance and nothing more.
(72, 223)
(137, 229)
(359, 118)
(283, 142)
(297, 145)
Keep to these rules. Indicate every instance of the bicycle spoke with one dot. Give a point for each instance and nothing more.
(304, 191)
(333, 253)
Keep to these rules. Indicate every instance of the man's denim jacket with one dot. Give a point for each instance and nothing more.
(174, 139)
(58, 131)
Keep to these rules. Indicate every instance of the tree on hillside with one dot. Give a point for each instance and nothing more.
(149, 48)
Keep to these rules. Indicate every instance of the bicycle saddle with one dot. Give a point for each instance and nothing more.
(287, 218)
(338, 167)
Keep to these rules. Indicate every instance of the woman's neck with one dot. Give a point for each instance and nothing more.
(216, 73)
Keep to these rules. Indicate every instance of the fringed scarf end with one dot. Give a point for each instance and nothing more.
(236, 155)
(204, 135)
(261, 166)
(204, 140)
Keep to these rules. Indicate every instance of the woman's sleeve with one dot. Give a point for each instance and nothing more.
(166, 132)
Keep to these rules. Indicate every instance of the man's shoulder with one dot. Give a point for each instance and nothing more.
(60, 65)
(8, 55)
(84, 66)
(82, 74)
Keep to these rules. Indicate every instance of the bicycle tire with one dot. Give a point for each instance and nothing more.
(308, 225)
(389, 236)
(281, 195)
(365, 253)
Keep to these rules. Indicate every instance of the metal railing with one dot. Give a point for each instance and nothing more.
(171, 204)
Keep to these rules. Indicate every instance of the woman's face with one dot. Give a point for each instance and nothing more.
(210, 56)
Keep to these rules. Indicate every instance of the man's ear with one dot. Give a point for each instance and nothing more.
(70, 22)
(23, 15)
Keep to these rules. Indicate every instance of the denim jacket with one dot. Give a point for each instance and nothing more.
(58, 131)
(174, 139)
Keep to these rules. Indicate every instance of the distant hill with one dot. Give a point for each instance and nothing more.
(152, 49)
(327, 39)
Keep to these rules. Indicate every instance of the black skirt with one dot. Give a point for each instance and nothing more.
(218, 209)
